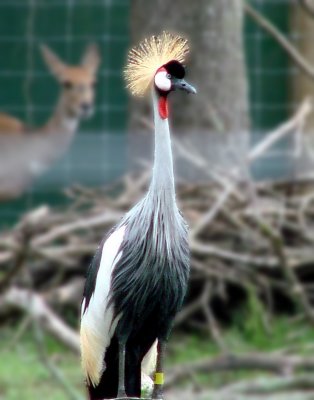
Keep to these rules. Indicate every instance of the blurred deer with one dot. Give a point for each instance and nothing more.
(27, 152)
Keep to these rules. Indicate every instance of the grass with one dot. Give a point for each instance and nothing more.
(22, 376)
(248, 333)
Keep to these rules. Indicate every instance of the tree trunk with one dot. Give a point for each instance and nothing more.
(218, 115)
(302, 25)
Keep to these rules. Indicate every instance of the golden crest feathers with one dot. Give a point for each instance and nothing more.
(148, 56)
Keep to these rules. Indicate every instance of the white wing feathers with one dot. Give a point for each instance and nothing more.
(149, 361)
(97, 325)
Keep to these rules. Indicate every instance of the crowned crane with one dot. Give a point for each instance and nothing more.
(138, 278)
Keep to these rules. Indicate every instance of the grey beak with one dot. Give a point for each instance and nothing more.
(181, 84)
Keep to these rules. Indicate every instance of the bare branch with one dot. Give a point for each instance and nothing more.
(308, 7)
(297, 120)
(258, 361)
(297, 293)
(19, 259)
(34, 305)
(50, 366)
(270, 28)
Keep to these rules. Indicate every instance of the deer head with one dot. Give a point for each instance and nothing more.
(77, 82)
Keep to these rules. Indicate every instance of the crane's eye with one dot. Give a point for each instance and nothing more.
(162, 81)
(68, 85)
(168, 76)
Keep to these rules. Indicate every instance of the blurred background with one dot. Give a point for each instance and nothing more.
(243, 150)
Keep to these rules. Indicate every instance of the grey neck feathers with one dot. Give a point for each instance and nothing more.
(157, 214)
(163, 179)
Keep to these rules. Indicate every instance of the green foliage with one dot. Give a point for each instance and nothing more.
(251, 320)
(188, 347)
(23, 376)
(254, 329)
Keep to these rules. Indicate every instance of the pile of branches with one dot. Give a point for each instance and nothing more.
(258, 238)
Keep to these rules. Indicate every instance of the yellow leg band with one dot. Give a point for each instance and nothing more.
(159, 378)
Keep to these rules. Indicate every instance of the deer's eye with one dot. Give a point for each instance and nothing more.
(68, 85)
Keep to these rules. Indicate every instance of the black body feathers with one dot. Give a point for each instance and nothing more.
(148, 286)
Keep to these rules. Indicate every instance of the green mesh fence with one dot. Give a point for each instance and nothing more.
(28, 91)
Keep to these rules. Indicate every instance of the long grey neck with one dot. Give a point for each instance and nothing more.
(163, 179)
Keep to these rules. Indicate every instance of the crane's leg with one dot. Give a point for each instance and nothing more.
(159, 374)
(121, 382)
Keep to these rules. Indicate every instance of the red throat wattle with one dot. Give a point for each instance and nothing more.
(163, 107)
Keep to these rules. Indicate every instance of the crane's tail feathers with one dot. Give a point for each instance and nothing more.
(92, 354)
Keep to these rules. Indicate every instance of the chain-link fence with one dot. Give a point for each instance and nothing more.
(29, 92)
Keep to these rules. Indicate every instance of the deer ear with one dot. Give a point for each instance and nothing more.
(53, 62)
(91, 58)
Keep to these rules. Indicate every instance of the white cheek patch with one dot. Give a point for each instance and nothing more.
(162, 82)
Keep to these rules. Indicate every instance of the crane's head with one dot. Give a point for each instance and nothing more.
(158, 62)
(77, 82)
(171, 77)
